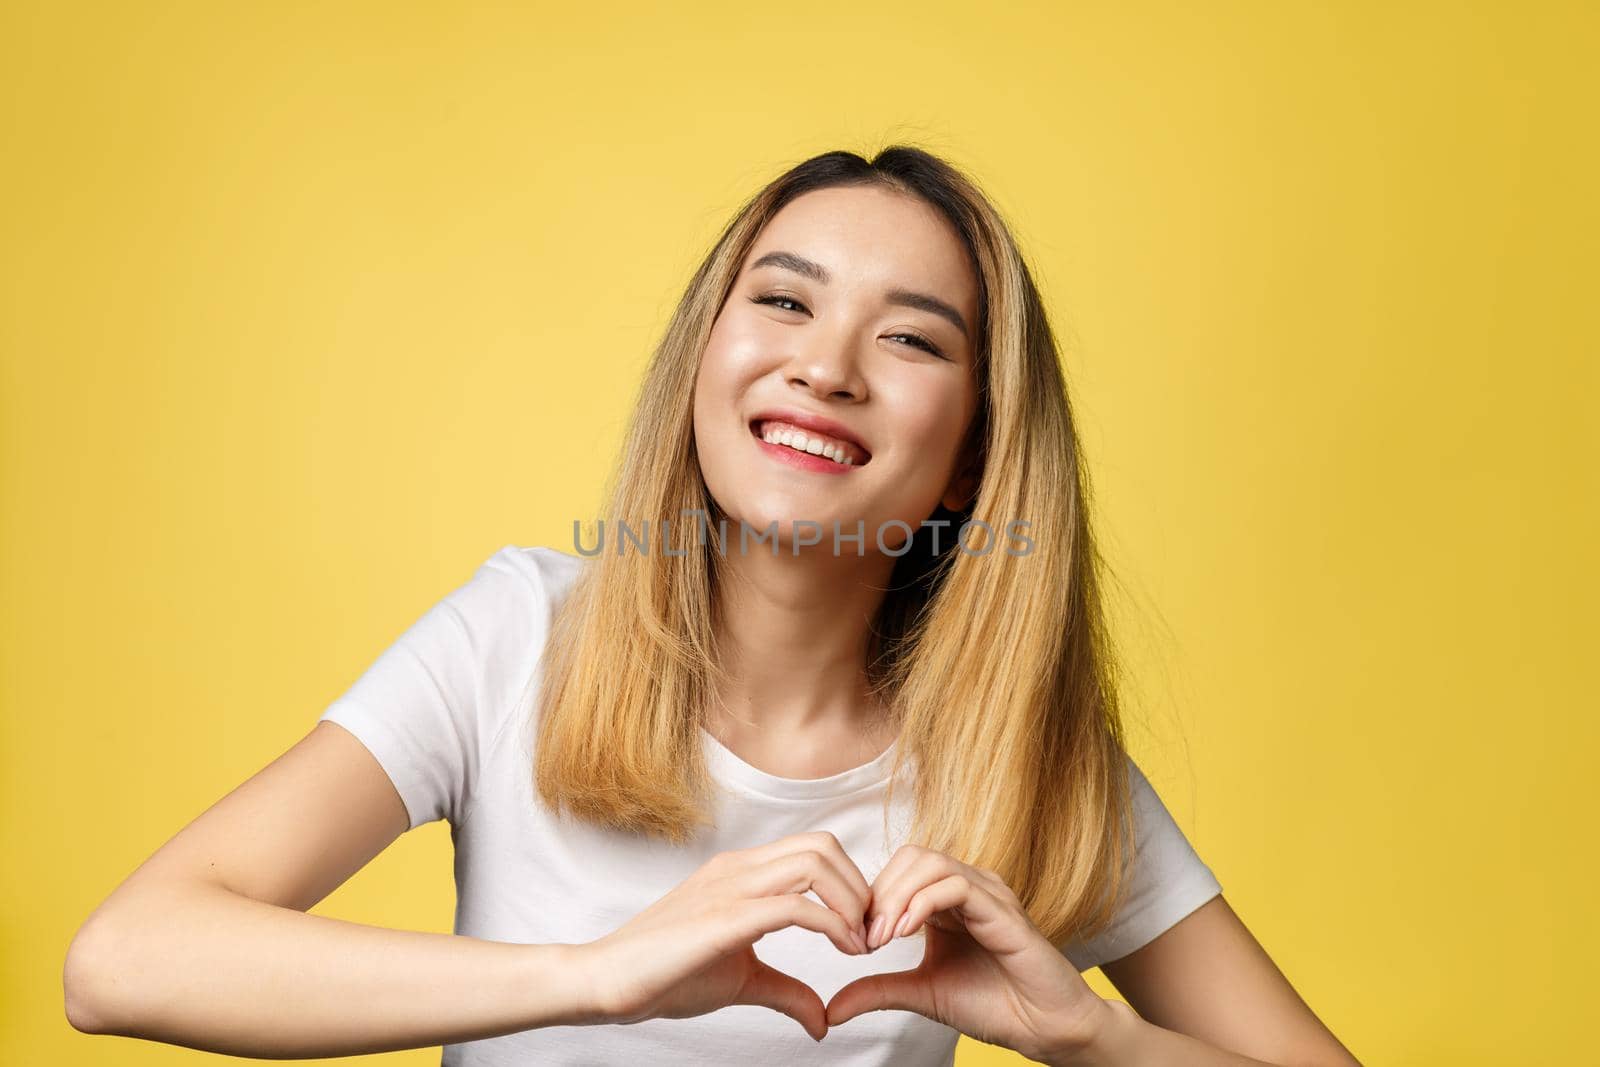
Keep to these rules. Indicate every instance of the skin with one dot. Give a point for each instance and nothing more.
(795, 628)
(209, 944)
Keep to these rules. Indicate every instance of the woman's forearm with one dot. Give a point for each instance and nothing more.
(205, 968)
(1127, 1040)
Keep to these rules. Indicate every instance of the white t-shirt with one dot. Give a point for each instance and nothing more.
(437, 711)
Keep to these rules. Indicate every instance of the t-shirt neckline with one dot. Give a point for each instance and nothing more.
(733, 771)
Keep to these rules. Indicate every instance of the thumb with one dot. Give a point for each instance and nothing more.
(769, 987)
(895, 990)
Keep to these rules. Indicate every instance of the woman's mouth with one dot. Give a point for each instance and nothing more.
(807, 449)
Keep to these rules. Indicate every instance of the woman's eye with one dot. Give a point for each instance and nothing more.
(918, 341)
(775, 299)
(913, 339)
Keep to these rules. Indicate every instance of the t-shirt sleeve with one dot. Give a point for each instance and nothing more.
(1167, 881)
(432, 704)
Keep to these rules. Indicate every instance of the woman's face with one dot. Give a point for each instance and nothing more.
(828, 318)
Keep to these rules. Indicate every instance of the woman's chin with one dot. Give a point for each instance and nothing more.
(799, 531)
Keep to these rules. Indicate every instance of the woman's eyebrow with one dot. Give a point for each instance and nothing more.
(900, 297)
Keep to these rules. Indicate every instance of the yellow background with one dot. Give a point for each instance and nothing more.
(309, 308)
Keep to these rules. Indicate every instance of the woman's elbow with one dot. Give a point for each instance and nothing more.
(84, 978)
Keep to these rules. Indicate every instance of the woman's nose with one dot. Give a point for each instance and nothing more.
(828, 368)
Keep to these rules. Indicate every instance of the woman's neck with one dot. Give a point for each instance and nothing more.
(792, 637)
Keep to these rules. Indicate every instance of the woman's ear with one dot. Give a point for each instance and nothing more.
(963, 487)
(962, 490)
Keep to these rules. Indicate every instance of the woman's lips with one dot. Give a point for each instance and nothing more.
(841, 441)
(802, 460)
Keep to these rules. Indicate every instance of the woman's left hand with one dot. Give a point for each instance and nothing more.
(986, 970)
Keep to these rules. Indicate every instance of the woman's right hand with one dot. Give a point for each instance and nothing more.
(691, 951)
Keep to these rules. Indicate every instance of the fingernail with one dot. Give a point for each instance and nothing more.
(877, 932)
(859, 941)
(900, 927)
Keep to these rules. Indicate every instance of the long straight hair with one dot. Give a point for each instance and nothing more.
(995, 667)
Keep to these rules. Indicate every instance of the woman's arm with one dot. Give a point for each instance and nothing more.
(1204, 986)
(1128, 1039)
(208, 944)
(199, 966)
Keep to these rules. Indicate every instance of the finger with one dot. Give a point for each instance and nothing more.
(799, 872)
(992, 880)
(903, 857)
(769, 987)
(958, 901)
(754, 916)
(824, 842)
(892, 990)
(955, 891)
(893, 890)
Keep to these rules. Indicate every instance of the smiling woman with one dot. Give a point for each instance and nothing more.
(667, 773)
(860, 340)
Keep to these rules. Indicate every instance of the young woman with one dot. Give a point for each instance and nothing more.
(826, 736)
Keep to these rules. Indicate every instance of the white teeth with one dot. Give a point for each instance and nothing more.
(811, 445)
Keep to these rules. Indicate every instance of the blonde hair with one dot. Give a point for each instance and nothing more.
(1015, 733)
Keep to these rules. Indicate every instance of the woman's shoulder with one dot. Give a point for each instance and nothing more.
(545, 572)
(1166, 879)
